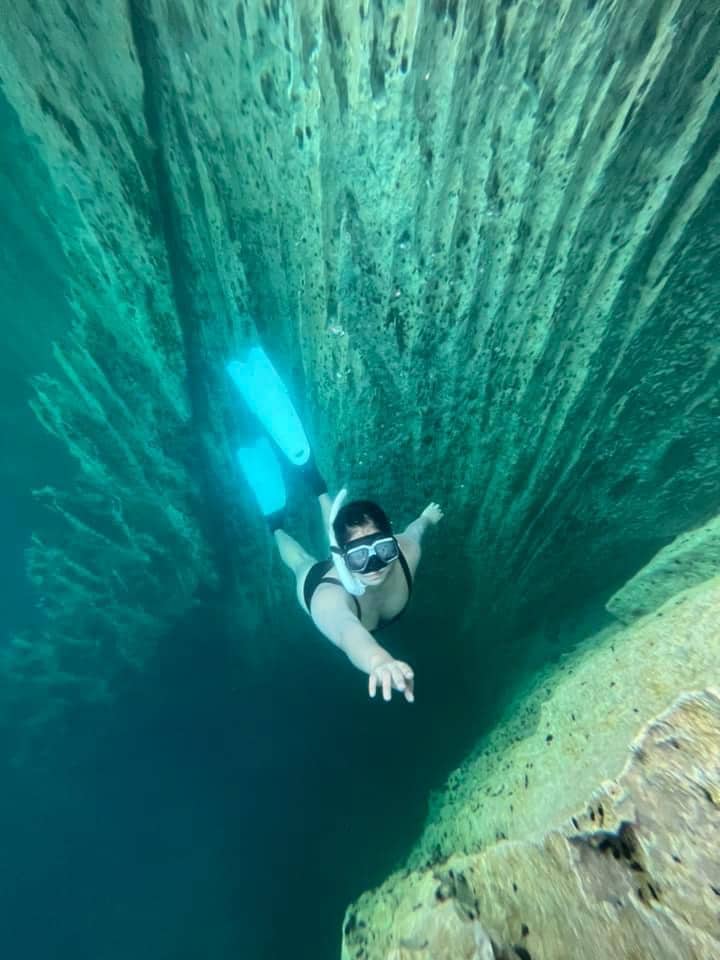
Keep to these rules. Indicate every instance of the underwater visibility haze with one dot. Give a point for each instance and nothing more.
(460, 258)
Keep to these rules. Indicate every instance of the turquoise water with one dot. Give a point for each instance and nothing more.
(481, 243)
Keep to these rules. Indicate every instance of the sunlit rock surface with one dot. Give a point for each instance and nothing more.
(570, 728)
(539, 842)
(688, 560)
(633, 873)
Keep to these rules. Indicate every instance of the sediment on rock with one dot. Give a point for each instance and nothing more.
(690, 559)
(633, 874)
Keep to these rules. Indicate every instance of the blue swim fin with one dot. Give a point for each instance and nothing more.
(267, 397)
(263, 474)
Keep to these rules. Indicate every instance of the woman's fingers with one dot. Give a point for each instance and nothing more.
(396, 675)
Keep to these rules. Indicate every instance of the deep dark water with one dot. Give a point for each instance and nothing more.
(202, 816)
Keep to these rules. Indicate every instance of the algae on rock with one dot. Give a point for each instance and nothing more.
(690, 559)
(632, 873)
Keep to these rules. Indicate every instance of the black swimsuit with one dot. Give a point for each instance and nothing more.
(316, 576)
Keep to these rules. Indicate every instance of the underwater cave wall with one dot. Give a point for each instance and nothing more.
(480, 239)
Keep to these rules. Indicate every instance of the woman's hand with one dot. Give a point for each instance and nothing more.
(432, 513)
(391, 675)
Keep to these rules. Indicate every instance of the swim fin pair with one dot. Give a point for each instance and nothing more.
(267, 397)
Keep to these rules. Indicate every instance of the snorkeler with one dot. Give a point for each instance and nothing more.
(369, 561)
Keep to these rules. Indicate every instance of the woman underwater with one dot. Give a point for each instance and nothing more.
(374, 568)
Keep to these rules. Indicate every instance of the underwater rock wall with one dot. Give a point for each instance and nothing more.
(541, 841)
(480, 239)
(505, 271)
(633, 874)
(690, 559)
(570, 726)
(117, 550)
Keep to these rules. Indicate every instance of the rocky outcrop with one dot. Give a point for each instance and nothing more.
(542, 842)
(634, 872)
(569, 726)
(689, 559)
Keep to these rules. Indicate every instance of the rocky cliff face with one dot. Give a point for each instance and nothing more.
(480, 239)
(634, 873)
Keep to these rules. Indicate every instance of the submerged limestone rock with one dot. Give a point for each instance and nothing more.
(690, 559)
(569, 726)
(539, 843)
(634, 873)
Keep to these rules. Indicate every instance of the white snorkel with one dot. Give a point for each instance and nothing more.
(351, 583)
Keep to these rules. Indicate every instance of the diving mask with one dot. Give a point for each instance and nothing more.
(370, 553)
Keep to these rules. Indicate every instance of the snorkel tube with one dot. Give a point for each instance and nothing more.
(351, 583)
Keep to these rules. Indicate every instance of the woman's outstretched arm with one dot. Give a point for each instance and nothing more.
(332, 617)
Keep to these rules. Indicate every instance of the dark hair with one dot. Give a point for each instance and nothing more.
(357, 513)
